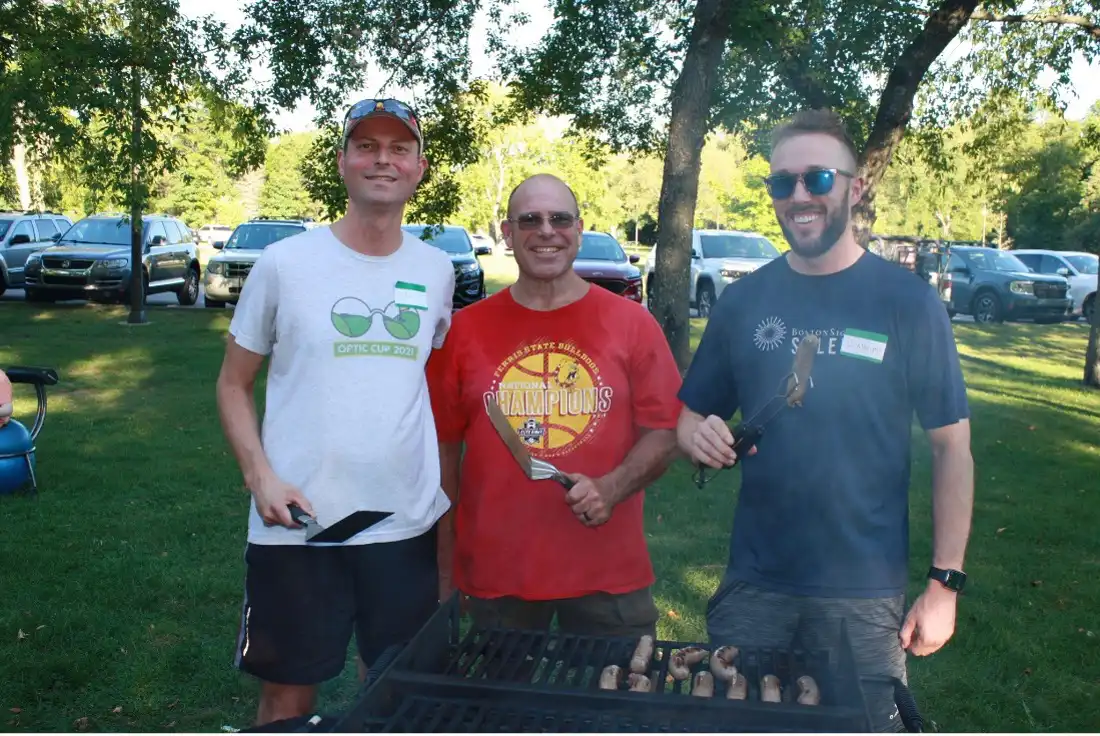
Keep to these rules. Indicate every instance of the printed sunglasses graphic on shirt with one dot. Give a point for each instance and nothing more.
(353, 318)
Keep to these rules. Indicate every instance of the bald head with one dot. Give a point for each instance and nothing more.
(539, 184)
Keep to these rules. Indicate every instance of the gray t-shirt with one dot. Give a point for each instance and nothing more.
(348, 419)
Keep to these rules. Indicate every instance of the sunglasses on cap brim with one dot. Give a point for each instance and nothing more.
(818, 182)
(366, 108)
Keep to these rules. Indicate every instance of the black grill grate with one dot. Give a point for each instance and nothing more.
(533, 681)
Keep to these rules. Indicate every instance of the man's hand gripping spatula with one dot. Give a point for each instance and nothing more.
(791, 389)
(533, 468)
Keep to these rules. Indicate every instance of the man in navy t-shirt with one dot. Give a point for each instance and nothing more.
(821, 530)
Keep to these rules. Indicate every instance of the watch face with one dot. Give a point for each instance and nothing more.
(952, 579)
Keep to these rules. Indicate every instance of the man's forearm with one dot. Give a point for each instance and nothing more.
(646, 462)
(237, 411)
(952, 503)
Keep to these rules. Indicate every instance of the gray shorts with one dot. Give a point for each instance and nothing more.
(739, 612)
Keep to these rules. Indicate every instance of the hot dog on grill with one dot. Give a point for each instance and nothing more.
(809, 694)
(739, 687)
(678, 668)
(704, 685)
(694, 655)
(721, 663)
(639, 683)
(642, 654)
(611, 677)
(769, 689)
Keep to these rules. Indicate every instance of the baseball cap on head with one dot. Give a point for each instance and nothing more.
(370, 108)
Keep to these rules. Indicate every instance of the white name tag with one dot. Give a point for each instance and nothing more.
(407, 295)
(864, 345)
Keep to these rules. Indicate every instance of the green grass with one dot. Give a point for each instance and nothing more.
(121, 581)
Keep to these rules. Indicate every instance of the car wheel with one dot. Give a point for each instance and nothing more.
(986, 308)
(705, 299)
(188, 294)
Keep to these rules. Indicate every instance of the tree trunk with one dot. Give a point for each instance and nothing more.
(22, 176)
(896, 106)
(687, 130)
(137, 280)
(1092, 353)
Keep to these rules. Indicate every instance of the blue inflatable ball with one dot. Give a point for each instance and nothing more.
(15, 442)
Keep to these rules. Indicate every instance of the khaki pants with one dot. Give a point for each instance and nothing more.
(630, 614)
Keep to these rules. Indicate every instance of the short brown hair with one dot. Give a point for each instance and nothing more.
(823, 121)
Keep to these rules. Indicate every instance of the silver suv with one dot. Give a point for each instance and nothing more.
(23, 233)
(227, 270)
(718, 258)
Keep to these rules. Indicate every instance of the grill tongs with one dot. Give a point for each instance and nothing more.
(792, 387)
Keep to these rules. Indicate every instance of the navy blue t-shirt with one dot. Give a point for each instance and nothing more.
(824, 503)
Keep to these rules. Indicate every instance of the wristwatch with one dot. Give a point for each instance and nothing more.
(951, 579)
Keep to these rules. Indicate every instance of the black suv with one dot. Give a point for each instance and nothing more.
(455, 242)
(92, 261)
(994, 286)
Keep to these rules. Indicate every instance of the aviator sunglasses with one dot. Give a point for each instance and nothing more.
(534, 220)
(817, 182)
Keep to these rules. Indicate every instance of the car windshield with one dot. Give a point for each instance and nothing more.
(100, 232)
(259, 236)
(1083, 264)
(600, 247)
(451, 240)
(737, 246)
(992, 260)
(4, 225)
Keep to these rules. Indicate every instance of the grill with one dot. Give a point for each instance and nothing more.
(237, 270)
(508, 680)
(61, 262)
(1049, 291)
(615, 286)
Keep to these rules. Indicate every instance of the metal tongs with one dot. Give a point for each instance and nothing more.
(792, 387)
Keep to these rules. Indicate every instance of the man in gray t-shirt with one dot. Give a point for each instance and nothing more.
(348, 315)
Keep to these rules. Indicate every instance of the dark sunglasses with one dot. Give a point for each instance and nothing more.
(534, 220)
(817, 182)
(363, 108)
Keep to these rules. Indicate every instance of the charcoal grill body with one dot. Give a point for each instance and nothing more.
(482, 680)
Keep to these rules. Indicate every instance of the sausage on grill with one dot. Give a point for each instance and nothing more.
(739, 687)
(809, 694)
(639, 683)
(704, 685)
(642, 654)
(678, 668)
(721, 664)
(611, 677)
(769, 689)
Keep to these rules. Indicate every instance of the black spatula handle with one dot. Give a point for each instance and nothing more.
(299, 515)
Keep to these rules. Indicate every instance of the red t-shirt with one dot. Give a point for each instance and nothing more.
(577, 383)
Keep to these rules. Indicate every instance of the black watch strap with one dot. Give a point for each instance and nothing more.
(951, 579)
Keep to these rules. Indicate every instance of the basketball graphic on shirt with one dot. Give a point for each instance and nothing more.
(553, 395)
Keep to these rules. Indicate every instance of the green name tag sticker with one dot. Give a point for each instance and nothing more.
(869, 346)
(408, 295)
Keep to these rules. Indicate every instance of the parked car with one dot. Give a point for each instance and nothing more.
(227, 270)
(602, 261)
(994, 285)
(23, 233)
(211, 233)
(92, 261)
(455, 241)
(718, 258)
(1078, 267)
(481, 240)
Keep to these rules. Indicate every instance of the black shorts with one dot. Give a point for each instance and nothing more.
(302, 604)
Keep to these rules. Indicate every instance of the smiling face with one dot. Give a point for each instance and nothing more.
(542, 250)
(813, 224)
(382, 164)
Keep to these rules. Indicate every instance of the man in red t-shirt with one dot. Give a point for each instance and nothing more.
(589, 383)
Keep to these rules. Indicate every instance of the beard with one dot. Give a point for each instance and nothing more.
(836, 222)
